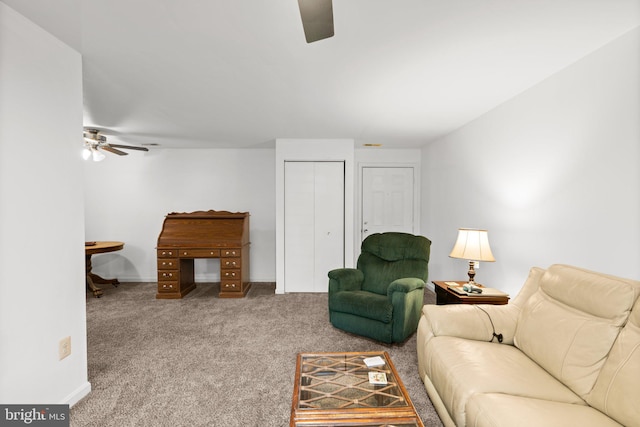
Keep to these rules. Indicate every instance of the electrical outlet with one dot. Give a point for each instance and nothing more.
(476, 265)
(64, 347)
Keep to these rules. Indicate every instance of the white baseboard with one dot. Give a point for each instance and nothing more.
(79, 394)
(430, 286)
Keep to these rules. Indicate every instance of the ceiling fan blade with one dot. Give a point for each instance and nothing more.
(110, 149)
(129, 147)
(317, 19)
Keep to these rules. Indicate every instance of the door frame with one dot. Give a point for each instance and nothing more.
(315, 150)
(359, 195)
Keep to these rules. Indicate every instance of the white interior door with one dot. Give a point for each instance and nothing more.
(314, 224)
(387, 200)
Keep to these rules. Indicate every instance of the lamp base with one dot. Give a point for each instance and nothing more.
(472, 273)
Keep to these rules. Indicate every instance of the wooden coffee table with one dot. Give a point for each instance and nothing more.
(334, 389)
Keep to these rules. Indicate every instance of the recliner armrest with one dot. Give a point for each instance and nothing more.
(406, 284)
(474, 322)
(345, 279)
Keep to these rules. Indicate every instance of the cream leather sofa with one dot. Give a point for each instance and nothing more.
(570, 354)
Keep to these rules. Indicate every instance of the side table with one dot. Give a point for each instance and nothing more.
(91, 248)
(444, 295)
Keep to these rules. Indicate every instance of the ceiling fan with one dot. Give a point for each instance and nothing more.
(94, 142)
(317, 19)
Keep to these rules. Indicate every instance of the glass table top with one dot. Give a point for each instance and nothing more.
(343, 380)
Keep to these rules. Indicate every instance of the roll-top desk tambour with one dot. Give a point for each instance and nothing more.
(210, 234)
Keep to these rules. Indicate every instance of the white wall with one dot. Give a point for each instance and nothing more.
(552, 174)
(128, 197)
(42, 285)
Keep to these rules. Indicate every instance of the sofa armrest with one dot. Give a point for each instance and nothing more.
(405, 285)
(474, 322)
(345, 279)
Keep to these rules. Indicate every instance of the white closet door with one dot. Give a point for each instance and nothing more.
(314, 224)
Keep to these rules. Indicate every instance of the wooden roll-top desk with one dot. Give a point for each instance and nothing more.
(210, 234)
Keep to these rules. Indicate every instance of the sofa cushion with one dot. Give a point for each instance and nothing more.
(460, 368)
(363, 304)
(569, 325)
(617, 392)
(502, 410)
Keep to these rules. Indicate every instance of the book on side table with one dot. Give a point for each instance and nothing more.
(459, 288)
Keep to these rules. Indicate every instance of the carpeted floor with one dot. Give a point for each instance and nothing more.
(206, 361)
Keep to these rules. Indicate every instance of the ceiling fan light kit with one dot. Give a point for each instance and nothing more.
(94, 142)
(94, 154)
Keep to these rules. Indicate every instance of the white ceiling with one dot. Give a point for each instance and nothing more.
(238, 73)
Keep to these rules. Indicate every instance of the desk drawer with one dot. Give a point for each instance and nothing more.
(168, 287)
(225, 253)
(167, 253)
(230, 263)
(230, 274)
(167, 263)
(167, 275)
(199, 253)
(231, 286)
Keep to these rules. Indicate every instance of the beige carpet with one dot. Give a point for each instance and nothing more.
(206, 361)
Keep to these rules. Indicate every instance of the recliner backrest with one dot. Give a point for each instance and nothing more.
(616, 392)
(386, 257)
(570, 323)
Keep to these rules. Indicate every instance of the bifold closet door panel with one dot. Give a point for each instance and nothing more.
(299, 226)
(329, 221)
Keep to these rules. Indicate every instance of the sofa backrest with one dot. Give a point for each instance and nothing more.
(570, 323)
(617, 389)
(529, 288)
(386, 257)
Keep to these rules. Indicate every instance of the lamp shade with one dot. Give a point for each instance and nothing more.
(472, 245)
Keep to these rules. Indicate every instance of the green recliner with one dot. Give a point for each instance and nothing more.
(382, 299)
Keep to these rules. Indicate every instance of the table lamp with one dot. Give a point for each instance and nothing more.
(472, 245)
